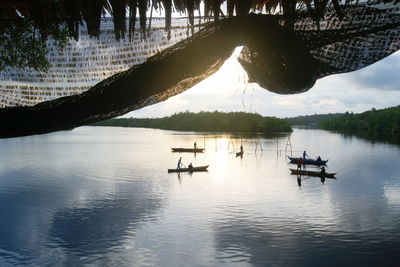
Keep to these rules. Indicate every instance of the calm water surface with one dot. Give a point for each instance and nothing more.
(102, 196)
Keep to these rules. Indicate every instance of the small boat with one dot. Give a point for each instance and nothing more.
(239, 154)
(313, 173)
(180, 149)
(194, 169)
(308, 161)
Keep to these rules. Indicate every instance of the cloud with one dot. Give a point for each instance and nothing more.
(383, 75)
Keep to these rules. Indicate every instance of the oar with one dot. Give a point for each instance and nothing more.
(182, 165)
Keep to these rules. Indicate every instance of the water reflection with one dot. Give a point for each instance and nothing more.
(374, 136)
(58, 210)
(345, 223)
(104, 198)
(295, 242)
(103, 224)
(45, 219)
(299, 180)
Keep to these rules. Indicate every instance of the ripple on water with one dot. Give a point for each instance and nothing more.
(98, 202)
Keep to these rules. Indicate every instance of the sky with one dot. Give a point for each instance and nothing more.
(376, 86)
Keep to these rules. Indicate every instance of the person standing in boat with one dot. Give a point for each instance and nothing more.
(323, 171)
(179, 163)
(241, 149)
(299, 163)
(195, 145)
(304, 155)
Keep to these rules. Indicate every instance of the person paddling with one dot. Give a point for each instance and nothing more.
(304, 154)
(179, 163)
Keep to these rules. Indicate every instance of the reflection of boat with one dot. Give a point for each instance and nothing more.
(308, 161)
(312, 173)
(239, 153)
(180, 149)
(194, 169)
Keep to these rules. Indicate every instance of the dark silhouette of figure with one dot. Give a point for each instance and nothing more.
(299, 163)
(179, 163)
(299, 180)
(195, 145)
(304, 154)
(319, 158)
(241, 149)
(190, 167)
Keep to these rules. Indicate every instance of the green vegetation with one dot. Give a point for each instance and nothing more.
(24, 44)
(311, 120)
(207, 122)
(382, 121)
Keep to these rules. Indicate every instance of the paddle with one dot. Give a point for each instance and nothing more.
(183, 166)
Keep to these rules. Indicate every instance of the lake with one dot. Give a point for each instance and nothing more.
(101, 196)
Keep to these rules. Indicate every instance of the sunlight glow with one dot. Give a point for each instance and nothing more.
(230, 76)
(228, 90)
(221, 145)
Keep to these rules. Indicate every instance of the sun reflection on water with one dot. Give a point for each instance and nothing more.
(124, 208)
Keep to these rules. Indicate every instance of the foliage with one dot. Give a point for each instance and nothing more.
(207, 122)
(373, 121)
(22, 19)
(311, 120)
(24, 45)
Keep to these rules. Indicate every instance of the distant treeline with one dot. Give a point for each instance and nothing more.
(311, 120)
(374, 121)
(207, 122)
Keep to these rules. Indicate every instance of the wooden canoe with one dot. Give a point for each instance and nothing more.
(308, 161)
(239, 153)
(313, 173)
(193, 150)
(194, 169)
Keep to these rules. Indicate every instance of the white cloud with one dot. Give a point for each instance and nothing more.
(383, 75)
